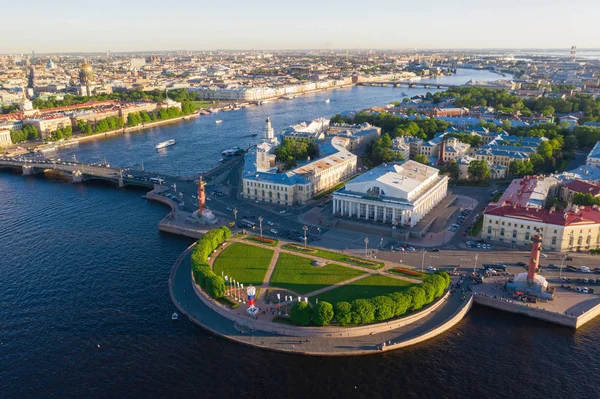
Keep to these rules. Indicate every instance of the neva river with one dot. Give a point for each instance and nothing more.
(85, 309)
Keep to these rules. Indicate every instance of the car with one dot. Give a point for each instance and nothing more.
(521, 264)
(208, 199)
(585, 269)
(491, 271)
(591, 290)
(431, 268)
(578, 289)
(273, 231)
(478, 245)
(585, 290)
(464, 233)
(282, 212)
(542, 255)
(269, 223)
(569, 258)
(229, 208)
(435, 250)
(410, 249)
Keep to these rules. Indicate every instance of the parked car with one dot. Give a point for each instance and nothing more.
(269, 223)
(435, 250)
(431, 268)
(543, 255)
(521, 264)
(282, 212)
(273, 231)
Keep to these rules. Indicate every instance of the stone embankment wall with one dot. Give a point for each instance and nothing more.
(556, 318)
(451, 322)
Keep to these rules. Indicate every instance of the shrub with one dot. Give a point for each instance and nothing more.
(402, 302)
(429, 292)
(323, 313)
(363, 311)
(418, 298)
(301, 313)
(215, 286)
(342, 313)
(439, 283)
(384, 307)
(226, 232)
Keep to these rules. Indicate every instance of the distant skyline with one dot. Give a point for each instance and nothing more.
(134, 25)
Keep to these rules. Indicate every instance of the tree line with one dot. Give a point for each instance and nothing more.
(28, 132)
(181, 95)
(291, 151)
(203, 275)
(377, 309)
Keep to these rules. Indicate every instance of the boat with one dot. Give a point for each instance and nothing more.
(174, 316)
(165, 144)
(218, 121)
(290, 97)
(254, 135)
(403, 94)
(235, 108)
(263, 102)
(327, 101)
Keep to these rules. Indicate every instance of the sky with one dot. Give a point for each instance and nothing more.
(134, 25)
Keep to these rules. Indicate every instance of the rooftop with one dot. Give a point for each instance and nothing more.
(574, 216)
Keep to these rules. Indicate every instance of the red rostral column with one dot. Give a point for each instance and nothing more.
(534, 258)
(201, 196)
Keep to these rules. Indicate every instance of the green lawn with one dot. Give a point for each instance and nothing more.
(202, 104)
(337, 256)
(299, 275)
(365, 288)
(477, 227)
(245, 263)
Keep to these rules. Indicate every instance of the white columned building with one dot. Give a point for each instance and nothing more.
(392, 194)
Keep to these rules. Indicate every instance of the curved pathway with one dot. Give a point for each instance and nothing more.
(188, 303)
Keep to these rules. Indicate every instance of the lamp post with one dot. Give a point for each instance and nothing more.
(235, 211)
(475, 264)
(366, 246)
(423, 259)
(305, 228)
(562, 261)
(260, 219)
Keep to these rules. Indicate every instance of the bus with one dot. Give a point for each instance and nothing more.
(248, 223)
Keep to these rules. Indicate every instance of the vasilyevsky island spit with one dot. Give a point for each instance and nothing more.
(331, 257)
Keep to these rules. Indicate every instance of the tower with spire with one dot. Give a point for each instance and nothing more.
(269, 133)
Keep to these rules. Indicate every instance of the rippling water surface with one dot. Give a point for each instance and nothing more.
(85, 309)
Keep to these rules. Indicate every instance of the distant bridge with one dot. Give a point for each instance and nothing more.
(80, 172)
(404, 83)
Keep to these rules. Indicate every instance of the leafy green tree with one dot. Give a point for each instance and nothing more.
(216, 286)
(323, 313)
(384, 307)
(570, 143)
(420, 158)
(452, 169)
(586, 199)
(402, 302)
(439, 283)
(479, 170)
(429, 291)
(343, 312)
(418, 297)
(301, 313)
(363, 311)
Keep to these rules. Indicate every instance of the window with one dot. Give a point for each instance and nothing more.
(579, 240)
(528, 227)
(489, 230)
(502, 232)
(514, 233)
(553, 240)
(527, 236)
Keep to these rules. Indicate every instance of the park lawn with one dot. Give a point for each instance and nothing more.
(338, 257)
(365, 288)
(297, 274)
(202, 104)
(246, 264)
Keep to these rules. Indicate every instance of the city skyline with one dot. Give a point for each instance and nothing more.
(143, 26)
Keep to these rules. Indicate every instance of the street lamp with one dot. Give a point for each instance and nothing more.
(423, 259)
(475, 264)
(235, 211)
(562, 260)
(260, 219)
(366, 245)
(305, 228)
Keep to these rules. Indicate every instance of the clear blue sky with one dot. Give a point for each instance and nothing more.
(129, 25)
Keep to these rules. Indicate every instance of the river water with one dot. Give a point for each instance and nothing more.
(85, 309)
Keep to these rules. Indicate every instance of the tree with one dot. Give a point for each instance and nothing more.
(418, 297)
(586, 199)
(216, 286)
(548, 110)
(453, 170)
(479, 170)
(439, 283)
(570, 144)
(545, 149)
(384, 307)
(402, 302)
(343, 313)
(323, 313)
(420, 158)
(363, 311)
(301, 313)
(429, 291)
